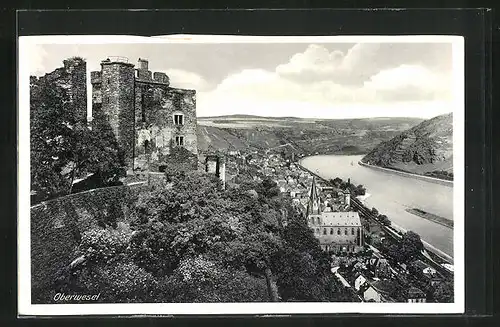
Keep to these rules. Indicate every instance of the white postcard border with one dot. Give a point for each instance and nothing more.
(24, 256)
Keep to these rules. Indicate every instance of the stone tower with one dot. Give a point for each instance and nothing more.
(76, 68)
(113, 100)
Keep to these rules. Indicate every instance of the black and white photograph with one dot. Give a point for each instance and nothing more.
(193, 174)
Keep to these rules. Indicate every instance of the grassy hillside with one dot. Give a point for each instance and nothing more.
(306, 135)
(424, 149)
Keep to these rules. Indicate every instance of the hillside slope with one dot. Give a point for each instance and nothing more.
(425, 149)
(307, 136)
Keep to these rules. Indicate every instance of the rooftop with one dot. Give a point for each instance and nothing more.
(350, 218)
(414, 293)
(383, 286)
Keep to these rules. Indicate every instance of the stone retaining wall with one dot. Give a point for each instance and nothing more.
(57, 225)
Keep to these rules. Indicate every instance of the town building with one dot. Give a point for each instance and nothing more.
(377, 291)
(359, 281)
(379, 266)
(415, 295)
(148, 117)
(339, 231)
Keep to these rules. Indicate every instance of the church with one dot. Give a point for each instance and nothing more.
(338, 230)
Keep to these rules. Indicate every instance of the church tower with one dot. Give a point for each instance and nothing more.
(313, 205)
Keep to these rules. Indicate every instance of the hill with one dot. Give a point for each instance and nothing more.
(425, 149)
(306, 135)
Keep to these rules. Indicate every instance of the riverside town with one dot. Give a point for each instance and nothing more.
(135, 198)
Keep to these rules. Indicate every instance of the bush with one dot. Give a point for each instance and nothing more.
(119, 282)
(103, 245)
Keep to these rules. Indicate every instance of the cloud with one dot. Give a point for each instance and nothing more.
(401, 84)
(319, 82)
(185, 79)
(410, 83)
(363, 60)
(316, 63)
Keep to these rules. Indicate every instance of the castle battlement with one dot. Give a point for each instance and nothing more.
(147, 116)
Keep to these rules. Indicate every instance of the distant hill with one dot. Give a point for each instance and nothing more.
(306, 135)
(425, 149)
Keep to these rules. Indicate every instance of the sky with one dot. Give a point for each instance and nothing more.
(313, 80)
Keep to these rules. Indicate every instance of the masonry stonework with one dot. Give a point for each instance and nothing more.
(147, 115)
(72, 78)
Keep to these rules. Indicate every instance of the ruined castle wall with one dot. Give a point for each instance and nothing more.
(184, 101)
(95, 80)
(156, 104)
(72, 78)
(77, 71)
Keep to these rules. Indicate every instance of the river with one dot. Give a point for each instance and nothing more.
(391, 194)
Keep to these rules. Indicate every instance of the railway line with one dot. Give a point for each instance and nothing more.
(367, 214)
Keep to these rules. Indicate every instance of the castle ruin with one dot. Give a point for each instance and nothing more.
(148, 117)
(154, 124)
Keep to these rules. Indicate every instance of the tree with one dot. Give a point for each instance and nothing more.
(384, 220)
(359, 190)
(196, 217)
(178, 162)
(63, 148)
(202, 279)
(51, 140)
(268, 188)
(195, 242)
(95, 151)
(412, 244)
(407, 249)
(336, 182)
(444, 293)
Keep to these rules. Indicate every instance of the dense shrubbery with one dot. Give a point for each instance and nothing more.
(58, 225)
(195, 242)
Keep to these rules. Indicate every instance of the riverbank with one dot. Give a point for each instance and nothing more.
(432, 217)
(410, 175)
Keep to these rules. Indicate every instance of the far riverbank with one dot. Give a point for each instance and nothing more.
(411, 175)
